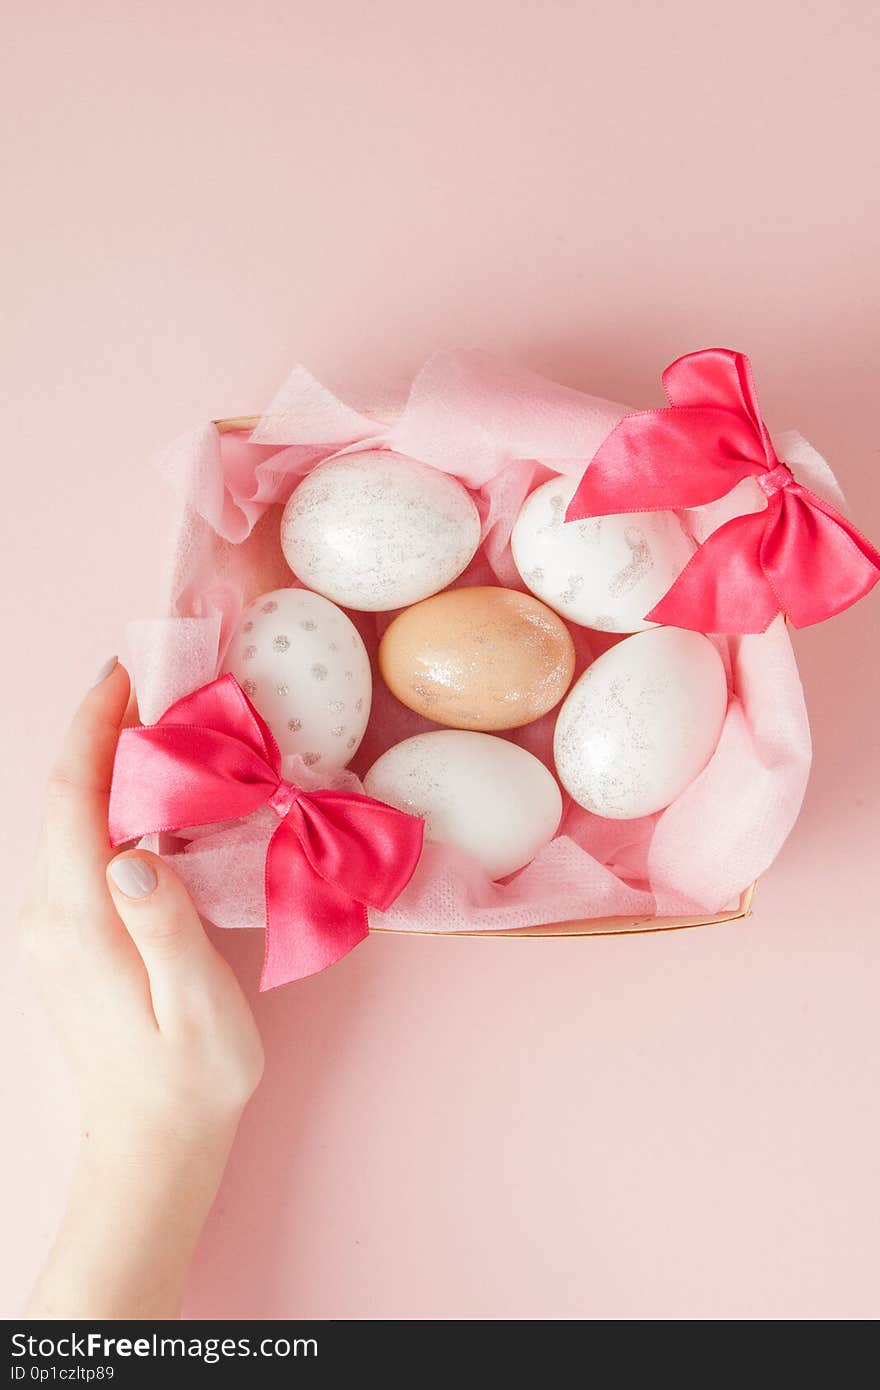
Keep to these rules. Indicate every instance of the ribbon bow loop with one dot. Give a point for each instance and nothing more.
(333, 854)
(799, 556)
(352, 840)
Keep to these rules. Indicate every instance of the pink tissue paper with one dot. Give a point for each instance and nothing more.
(501, 430)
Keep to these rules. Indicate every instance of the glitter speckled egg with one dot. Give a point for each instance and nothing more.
(478, 658)
(376, 531)
(641, 723)
(488, 797)
(605, 572)
(305, 668)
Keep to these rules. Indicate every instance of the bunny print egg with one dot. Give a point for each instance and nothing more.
(376, 531)
(484, 795)
(605, 572)
(641, 723)
(303, 665)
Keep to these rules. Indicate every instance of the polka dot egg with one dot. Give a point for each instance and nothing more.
(302, 663)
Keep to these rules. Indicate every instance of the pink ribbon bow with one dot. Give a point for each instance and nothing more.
(797, 556)
(333, 854)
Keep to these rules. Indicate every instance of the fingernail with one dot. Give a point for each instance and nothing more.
(136, 878)
(106, 670)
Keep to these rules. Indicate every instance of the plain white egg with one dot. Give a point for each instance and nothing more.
(376, 531)
(606, 572)
(303, 665)
(641, 723)
(488, 797)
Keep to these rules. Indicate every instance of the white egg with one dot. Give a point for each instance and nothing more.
(376, 531)
(488, 797)
(641, 723)
(606, 572)
(303, 665)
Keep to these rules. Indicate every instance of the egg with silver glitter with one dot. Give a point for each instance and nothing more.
(482, 794)
(605, 572)
(376, 530)
(302, 663)
(641, 723)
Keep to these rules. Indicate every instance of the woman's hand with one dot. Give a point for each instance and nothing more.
(161, 1040)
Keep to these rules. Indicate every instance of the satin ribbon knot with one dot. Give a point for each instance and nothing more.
(779, 477)
(332, 855)
(284, 798)
(798, 555)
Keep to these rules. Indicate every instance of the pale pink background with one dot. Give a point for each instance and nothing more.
(680, 1126)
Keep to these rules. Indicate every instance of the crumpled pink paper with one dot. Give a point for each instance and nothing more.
(501, 430)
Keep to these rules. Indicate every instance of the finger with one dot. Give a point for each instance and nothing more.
(85, 759)
(132, 714)
(75, 843)
(185, 971)
(130, 720)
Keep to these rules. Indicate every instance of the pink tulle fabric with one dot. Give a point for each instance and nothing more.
(501, 430)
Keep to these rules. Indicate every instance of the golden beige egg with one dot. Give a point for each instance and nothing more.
(483, 658)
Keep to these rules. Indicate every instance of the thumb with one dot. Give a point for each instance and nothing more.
(184, 969)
